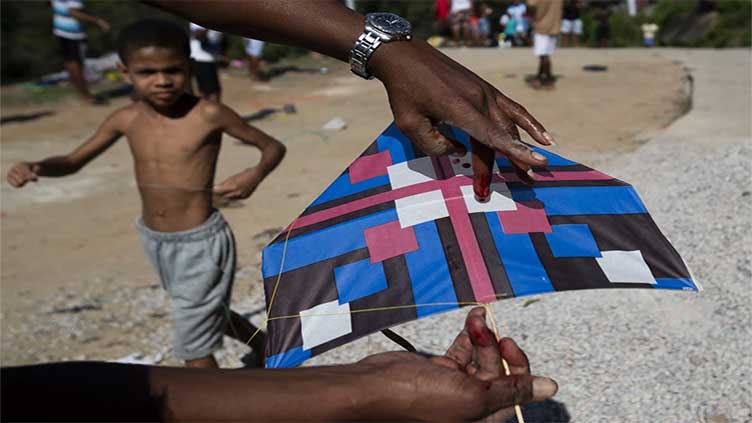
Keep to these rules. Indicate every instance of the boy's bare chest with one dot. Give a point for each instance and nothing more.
(153, 140)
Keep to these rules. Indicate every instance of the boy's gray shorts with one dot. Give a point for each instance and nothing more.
(196, 268)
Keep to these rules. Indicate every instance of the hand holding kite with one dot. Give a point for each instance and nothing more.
(467, 383)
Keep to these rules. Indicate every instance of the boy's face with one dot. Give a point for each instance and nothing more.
(159, 75)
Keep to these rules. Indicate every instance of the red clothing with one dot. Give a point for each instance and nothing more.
(442, 9)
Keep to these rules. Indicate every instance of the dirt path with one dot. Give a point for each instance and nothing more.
(74, 279)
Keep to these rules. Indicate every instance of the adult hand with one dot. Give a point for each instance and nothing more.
(467, 383)
(22, 173)
(426, 88)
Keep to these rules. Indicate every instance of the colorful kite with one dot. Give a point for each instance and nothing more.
(400, 236)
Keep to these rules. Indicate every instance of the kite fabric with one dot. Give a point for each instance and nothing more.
(399, 236)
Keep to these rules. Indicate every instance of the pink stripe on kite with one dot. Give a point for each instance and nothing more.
(480, 281)
(366, 202)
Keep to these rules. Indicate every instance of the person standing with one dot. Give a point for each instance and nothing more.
(67, 28)
(460, 13)
(206, 46)
(571, 24)
(253, 49)
(547, 23)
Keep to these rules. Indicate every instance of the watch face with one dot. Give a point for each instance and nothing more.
(390, 23)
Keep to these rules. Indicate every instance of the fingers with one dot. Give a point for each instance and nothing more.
(426, 136)
(19, 175)
(520, 116)
(514, 356)
(483, 162)
(487, 353)
(461, 352)
(499, 136)
(519, 389)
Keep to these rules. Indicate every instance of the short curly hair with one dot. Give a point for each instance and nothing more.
(152, 33)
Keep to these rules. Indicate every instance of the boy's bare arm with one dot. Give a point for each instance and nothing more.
(55, 166)
(244, 183)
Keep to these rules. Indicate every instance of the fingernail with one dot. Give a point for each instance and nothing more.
(538, 156)
(531, 174)
(544, 387)
(484, 195)
(458, 153)
(549, 138)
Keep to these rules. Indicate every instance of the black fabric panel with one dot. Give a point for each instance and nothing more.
(495, 267)
(301, 289)
(456, 265)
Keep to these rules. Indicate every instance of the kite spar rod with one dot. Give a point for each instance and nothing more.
(507, 371)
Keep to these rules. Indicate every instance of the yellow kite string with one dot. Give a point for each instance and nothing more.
(267, 319)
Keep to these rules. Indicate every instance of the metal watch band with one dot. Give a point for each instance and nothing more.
(367, 43)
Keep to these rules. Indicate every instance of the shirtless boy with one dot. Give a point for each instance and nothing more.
(175, 139)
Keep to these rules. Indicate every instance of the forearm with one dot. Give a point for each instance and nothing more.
(271, 155)
(55, 166)
(84, 16)
(334, 393)
(325, 26)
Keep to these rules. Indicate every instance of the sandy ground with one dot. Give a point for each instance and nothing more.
(76, 285)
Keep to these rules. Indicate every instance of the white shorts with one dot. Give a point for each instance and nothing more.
(253, 48)
(544, 45)
(571, 27)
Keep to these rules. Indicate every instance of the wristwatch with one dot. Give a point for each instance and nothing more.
(380, 28)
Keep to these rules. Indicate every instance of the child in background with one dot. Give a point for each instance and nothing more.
(174, 138)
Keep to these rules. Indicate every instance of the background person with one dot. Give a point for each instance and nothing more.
(571, 24)
(546, 27)
(206, 51)
(253, 49)
(67, 27)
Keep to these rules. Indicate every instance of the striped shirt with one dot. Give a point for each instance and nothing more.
(63, 24)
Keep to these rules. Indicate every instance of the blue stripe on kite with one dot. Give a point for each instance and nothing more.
(290, 358)
(583, 200)
(554, 159)
(399, 146)
(342, 187)
(324, 244)
(524, 269)
(462, 136)
(429, 273)
(671, 283)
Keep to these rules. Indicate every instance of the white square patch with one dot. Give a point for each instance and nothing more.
(464, 165)
(501, 199)
(411, 172)
(625, 267)
(420, 208)
(324, 322)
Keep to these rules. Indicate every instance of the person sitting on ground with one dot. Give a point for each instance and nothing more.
(66, 25)
(546, 28)
(175, 139)
(467, 383)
